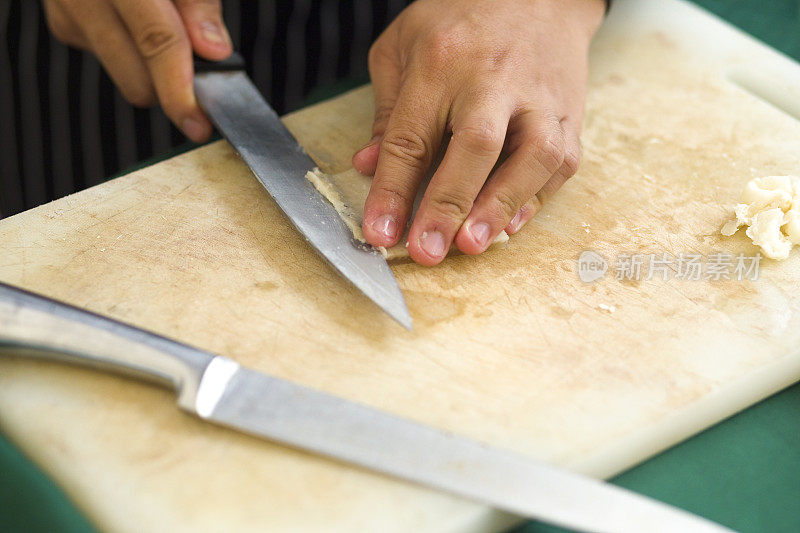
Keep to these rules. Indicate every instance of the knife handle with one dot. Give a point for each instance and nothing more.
(45, 328)
(234, 62)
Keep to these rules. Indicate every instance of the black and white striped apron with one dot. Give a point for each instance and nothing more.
(64, 127)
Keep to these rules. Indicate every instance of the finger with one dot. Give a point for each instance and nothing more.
(110, 41)
(524, 215)
(161, 39)
(572, 157)
(384, 71)
(479, 132)
(365, 160)
(540, 154)
(412, 137)
(207, 31)
(572, 154)
(62, 25)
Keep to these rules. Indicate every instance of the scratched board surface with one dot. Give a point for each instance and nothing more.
(510, 348)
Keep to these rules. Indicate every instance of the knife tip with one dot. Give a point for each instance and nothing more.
(406, 322)
(401, 315)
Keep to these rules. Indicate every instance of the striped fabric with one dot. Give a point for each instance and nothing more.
(64, 127)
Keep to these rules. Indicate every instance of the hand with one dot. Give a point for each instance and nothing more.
(507, 77)
(146, 47)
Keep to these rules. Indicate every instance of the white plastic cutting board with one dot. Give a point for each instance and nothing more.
(509, 348)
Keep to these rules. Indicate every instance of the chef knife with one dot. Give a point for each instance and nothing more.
(278, 161)
(217, 389)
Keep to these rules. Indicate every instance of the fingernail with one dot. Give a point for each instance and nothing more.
(212, 33)
(480, 232)
(194, 129)
(371, 142)
(386, 225)
(516, 222)
(433, 243)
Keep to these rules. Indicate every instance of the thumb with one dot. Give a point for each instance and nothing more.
(385, 75)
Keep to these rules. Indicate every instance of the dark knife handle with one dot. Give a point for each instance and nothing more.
(232, 63)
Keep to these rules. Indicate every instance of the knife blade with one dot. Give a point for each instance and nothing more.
(280, 164)
(219, 390)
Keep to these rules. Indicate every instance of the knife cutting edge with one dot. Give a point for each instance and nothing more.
(278, 161)
(219, 390)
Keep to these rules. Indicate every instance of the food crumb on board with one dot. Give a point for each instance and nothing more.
(770, 209)
(607, 308)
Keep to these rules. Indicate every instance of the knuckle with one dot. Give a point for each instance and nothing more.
(441, 45)
(572, 160)
(507, 204)
(451, 206)
(483, 137)
(549, 152)
(155, 40)
(381, 55)
(499, 58)
(374, 56)
(407, 145)
(60, 33)
(383, 110)
(395, 196)
(139, 96)
(58, 25)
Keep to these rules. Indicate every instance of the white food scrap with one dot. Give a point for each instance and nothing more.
(770, 209)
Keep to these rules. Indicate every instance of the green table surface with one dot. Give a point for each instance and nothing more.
(743, 472)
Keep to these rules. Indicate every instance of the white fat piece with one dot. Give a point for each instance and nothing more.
(770, 210)
(347, 191)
